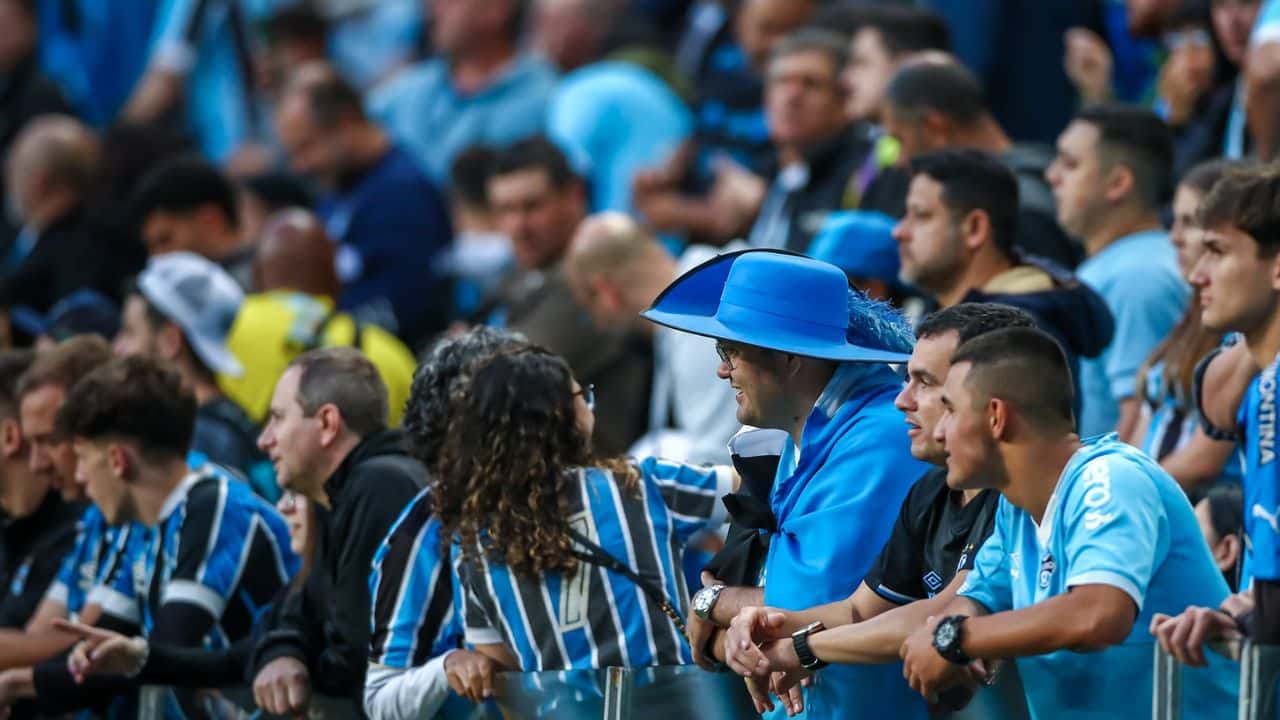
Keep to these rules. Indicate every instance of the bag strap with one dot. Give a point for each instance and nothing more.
(593, 554)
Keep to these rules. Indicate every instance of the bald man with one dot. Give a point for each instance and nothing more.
(52, 167)
(294, 310)
(615, 270)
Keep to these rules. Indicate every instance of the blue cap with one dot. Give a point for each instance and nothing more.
(861, 243)
(81, 312)
(771, 299)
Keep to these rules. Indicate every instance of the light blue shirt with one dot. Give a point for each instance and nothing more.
(614, 119)
(1137, 276)
(435, 122)
(1114, 519)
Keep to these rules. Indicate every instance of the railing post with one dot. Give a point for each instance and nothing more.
(1250, 690)
(617, 694)
(1166, 688)
(151, 702)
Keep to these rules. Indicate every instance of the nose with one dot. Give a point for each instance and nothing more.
(905, 401)
(1052, 175)
(265, 439)
(722, 371)
(900, 233)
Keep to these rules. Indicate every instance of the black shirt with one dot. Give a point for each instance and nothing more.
(933, 539)
(31, 551)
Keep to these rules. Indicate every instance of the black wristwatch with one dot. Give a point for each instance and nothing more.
(800, 639)
(947, 637)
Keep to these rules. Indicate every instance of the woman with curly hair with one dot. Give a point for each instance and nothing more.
(536, 521)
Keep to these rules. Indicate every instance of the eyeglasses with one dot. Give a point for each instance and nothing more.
(725, 352)
(588, 393)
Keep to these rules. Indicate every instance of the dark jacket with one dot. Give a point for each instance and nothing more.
(325, 624)
(752, 522)
(1061, 305)
(1039, 234)
(31, 551)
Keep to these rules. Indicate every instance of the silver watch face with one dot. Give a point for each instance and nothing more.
(945, 635)
(702, 601)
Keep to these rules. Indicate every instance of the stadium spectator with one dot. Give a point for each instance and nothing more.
(538, 203)
(391, 223)
(479, 90)
(27, 93)
(1237, 294)
(610, 114)
(557, 524)
(414, 655)
(181, 313)
(931, 549)
(957, 243)
(933, 105)
(217, 555)
(1221, 516)
(480, 255)
(709, 190)
(807, 356)
(1169, 430)
(187, 205)
(1109, 178)
(39, 525)
(885, 38)
(51, 169)
(1092, 539)
(329, 443)
(83, 312)
(616, 270)
(293, 310)
(818, 154)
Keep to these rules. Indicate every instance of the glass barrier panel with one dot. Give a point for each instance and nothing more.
(1259, 680)
(1214, 692)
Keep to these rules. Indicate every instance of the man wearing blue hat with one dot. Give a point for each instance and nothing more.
(808, 356)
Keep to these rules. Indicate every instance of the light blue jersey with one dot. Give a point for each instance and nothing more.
(1257, 425)
(1114, 519)
(1138, 277)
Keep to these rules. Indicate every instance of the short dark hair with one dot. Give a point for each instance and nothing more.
(330, 97)
(813, 39)
(1138, 139)
(842, 17)
(65, 364)
(345, 378)
(947, 88)
(535, 153)
(183, 185)
(904, 29)
(278, 191)
(13, 363)
(470, 174)
(1250, 201)
(976, 180)
(1204, 176)
(1027, 368)
(133, 399)
(970, 320)
(298, 22)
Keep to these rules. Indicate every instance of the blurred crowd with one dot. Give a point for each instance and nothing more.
(342, 342)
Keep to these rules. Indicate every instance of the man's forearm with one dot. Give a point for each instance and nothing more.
(1079, 620)
(878, 639)
(732, 600)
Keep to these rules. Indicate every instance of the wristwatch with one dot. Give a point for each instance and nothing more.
(800, 640)
(704, 601)
(947, 637)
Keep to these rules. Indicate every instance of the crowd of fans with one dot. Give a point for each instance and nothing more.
(877, 352)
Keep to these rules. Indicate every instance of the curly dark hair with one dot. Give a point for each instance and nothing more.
(508, 461)
(426, 414)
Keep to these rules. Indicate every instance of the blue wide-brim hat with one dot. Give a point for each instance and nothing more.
(772, 299)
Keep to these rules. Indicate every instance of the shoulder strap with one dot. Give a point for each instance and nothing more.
(591, 553)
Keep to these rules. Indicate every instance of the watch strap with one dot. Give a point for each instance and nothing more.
(800, 641)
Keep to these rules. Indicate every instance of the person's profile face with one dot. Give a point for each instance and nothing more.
(929, 251)
(962, 431)
(1186, 235)
(750, 371)
(1076, 177)
(868, 73)
(52, 459)
(104, 487)
(804, 102)
(538, 217)
(1237, 283)
(290, 439)
(921, 397)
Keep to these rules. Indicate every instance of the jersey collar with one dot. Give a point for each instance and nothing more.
(178, 494)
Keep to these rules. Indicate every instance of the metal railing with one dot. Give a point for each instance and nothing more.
(1256, 666)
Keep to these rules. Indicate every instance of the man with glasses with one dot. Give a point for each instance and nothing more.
(808, 360)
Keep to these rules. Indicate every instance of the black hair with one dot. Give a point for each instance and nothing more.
(970, 320)
(976, 180)
(470, 174)
(535, 153)
(1025, 367)
(813, 39)
(279, 191)
(1250, 201)
(1226, 509)
(183, 185)
(1138, 139)
(13, 363)
(133, 399)
(949, 89)
(298, 22)
(904, 29)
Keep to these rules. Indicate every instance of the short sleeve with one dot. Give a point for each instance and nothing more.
(691, 492)
(211, 548)
(1112, 522)
(895, 574)
(989, 583)
(1144, 312)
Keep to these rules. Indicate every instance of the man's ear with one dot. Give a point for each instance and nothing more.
(998, 418)
(11, 440)
(1118, 183)
(1275, 272)
(331, 424)
(120, 460)
(975, 229)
